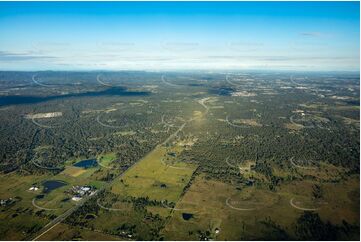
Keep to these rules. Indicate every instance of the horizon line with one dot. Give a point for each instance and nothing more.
(173, 70)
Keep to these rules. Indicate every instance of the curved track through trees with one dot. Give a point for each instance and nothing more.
(231, 82)
(39, 83)
(109, 209)
(104, 166)
(45, 167)
(42, 125)
(229, 164)
(301, 167)
(103, 83)
(168, 83)
(235, 125)
(107, 125)
(300, 125)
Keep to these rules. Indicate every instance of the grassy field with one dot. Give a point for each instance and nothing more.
(57, 201)
(152, 177)
(73, 171)
(106, 159)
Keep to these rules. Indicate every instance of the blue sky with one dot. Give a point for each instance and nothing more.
(179, 35)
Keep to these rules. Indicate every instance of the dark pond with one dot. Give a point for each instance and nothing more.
(52, 185)
(90, 216)
(114, 91)
(87, 163)
(187, 216)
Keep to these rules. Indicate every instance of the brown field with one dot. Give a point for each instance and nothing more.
(293, 126)
(73, 171)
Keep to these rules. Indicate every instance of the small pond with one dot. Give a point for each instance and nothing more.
(187, 216)
(51, 185)
(87, 163)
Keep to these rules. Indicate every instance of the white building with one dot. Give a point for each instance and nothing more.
(33, 188)
(76, 198)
